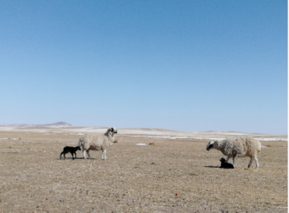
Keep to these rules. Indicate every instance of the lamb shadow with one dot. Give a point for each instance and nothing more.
(212, 167)
(216, 167)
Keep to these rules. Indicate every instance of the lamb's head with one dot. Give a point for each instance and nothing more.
(78, 148)
(211, 145)
(223, 160)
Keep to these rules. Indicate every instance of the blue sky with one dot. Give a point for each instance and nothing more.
(191, 65)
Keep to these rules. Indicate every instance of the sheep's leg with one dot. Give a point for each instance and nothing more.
(257, 163)
(234, 162)
(250, 163)
(60, 155)
(228, 159)
(84, 154)
(88, 153)
(103, 155)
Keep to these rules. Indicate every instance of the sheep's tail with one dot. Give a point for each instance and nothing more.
(259, 145)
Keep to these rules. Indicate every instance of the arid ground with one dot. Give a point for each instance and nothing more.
(175, 175)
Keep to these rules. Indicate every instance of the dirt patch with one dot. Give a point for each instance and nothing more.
(172, 176)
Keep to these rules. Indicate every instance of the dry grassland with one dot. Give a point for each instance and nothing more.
(172, 176)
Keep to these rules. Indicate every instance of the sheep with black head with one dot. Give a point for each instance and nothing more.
(238, 147)
(97, 142)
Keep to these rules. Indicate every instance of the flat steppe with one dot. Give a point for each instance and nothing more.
(175, 175)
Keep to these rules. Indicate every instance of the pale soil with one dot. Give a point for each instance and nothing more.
(172, 176)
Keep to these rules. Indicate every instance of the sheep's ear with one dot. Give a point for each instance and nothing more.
(111, 129)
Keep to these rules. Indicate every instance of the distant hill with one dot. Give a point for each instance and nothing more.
(61, 123)
(57, 124)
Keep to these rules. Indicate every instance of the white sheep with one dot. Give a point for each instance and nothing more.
(238, 147)
(97, 142)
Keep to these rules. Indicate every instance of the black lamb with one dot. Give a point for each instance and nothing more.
(70, 149)
(225, 165)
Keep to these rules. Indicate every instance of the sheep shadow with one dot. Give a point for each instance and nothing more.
(81, 158)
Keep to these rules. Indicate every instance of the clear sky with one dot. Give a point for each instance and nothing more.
(189, 65)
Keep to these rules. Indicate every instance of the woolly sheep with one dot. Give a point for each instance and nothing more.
(241, 147)
(97, 142)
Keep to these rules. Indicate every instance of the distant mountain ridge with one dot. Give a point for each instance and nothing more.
(60, 123)
(136, 132)
(57, 124)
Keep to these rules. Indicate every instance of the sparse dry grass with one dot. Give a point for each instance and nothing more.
(174, 176)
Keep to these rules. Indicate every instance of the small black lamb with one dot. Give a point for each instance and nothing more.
(225, 165)
(70, 149)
